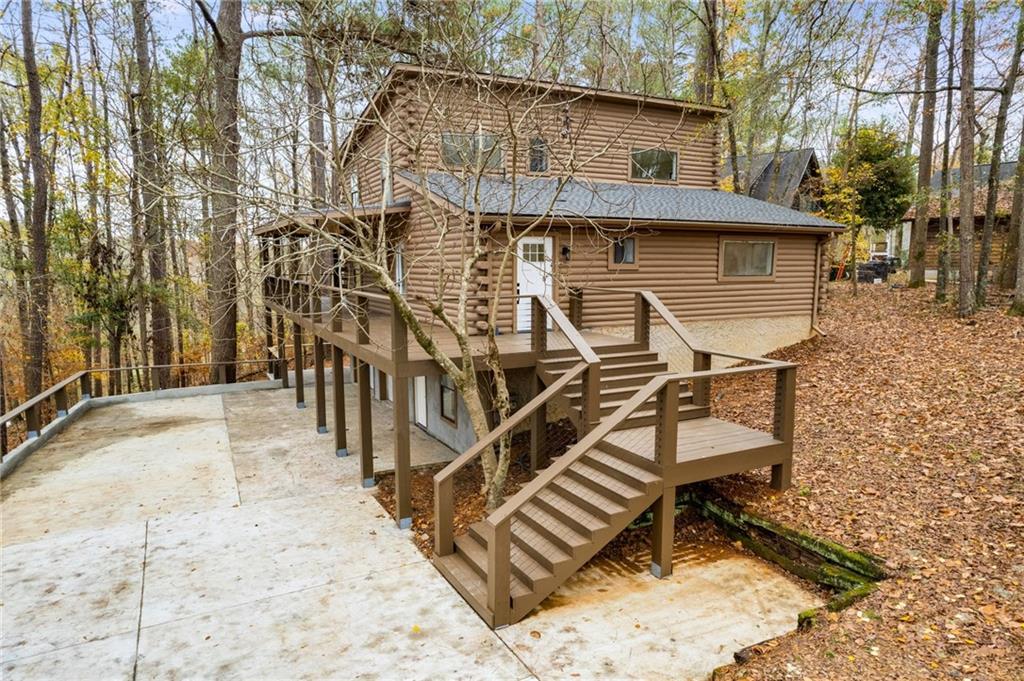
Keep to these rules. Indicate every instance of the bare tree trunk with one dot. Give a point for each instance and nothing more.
(1012, 258)
(945, 231)
(224, 199)
(967, 306)
(39, 307)
(919, 231)
(17, 255)
(704, 69)
(998, 136)
(151, 188)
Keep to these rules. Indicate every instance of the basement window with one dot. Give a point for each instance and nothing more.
(653, 164)
(747, 259)
(448, 402)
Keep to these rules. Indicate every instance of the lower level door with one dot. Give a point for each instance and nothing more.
(419, 389)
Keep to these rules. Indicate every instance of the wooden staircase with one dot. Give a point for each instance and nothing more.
(643, 430)
(557, 531)
(623, 372)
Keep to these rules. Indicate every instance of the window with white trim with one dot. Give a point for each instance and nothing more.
(353, 189)
(624, 251)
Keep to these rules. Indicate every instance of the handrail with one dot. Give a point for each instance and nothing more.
(572, 334)
(30, 408)
(589, 441)
(443, 533)
(497, 527)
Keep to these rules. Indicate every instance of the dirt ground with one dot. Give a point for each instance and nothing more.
(910, 445)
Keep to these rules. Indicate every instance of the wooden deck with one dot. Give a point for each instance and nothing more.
(705, 448)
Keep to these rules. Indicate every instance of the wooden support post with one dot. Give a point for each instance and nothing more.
(222, 373)
(538, 326)
(666, 428)
(642, 321)
(663, 533)
(320, 387)
(701, 386)
(400, 405)
(590, 414)
(338, 386)
(576, 307)
(32, 422)
(365, 427)
(300, 389)
(60, 400)
(499, 573)
(444, 516)
(784, 421)
(282, 357)
(538, 430)
(85, 390)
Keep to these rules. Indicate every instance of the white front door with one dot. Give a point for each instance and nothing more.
(419, 401)
(533, 272)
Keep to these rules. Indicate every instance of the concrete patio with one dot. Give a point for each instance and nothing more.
(219, 536)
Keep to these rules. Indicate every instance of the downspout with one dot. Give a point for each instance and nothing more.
(817, 286)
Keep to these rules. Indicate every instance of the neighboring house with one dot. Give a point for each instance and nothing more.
(789, 178)
(1007, 171)
(634, 253)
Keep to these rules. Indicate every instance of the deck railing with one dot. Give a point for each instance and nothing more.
(56, 401)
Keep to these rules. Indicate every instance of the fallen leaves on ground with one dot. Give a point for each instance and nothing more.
(909, 445)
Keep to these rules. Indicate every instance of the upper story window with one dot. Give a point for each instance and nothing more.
(747, 258)
(538, 155)
(653, 164)
(479, 150)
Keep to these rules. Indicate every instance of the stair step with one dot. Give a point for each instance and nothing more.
(623, 369)
(602, 483)
(609, 406)
(540, 548)
(625, 471)
(649, 417)
(634, 380)
(631, 357)
(586, 498)
(626, 456)
(475, 555)
(621, 393)
(566, 537)
(579, 519)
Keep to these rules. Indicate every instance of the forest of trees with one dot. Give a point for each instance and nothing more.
(142, 142)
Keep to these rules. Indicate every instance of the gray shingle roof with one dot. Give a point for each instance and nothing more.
(1007, 169)
(536, 196)
(777, 178)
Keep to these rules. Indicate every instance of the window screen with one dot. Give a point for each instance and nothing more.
(538, 155)
(447, 398)
(625, 252)
(748, 258)
(653, 164)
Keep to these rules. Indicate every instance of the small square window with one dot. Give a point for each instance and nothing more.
(538, 155)
(624, 251)
(448, 401)
(653, 164)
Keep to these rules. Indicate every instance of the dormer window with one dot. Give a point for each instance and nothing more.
(653, 164)
(476, 151)
(538, 155)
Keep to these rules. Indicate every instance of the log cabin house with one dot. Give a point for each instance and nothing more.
(589, 226)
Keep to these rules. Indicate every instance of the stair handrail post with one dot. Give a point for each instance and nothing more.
(666, 430)
(499, 570)
(32, 423)
(641, 319)
(576, 307)
(783, 424)
(702, 386)
(444, 516)
(591, 389)
(538, 325)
